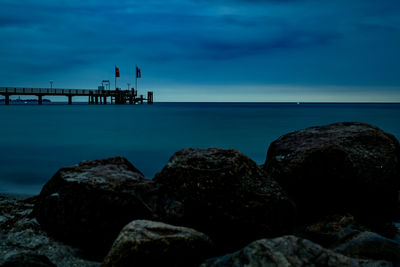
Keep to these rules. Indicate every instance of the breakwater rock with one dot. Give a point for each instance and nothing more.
(23, 242)
(225, 195)
(148, 243)
(88, 204)
(324, 196)
(343, 167)
(287, 251)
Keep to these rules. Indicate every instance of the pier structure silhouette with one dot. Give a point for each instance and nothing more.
(117, 96)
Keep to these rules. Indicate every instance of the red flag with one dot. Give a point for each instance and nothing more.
(138, 73)
(116, 72)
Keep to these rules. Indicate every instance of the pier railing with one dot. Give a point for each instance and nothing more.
(95, 96)
(59, 91)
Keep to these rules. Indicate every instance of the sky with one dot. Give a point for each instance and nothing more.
(207, 50)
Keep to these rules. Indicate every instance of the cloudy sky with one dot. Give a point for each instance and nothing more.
(208, 50)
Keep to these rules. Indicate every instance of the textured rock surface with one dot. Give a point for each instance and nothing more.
(88, 204)
(26, 259)
(371, 246)
(331, 231)
(24, 243)
(287, 251)
(225, 195)
(342, 167)
(344, 235)
(148, 243)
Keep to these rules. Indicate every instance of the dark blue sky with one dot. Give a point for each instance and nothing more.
(208, 50)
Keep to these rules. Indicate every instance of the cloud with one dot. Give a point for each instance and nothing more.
(300, 39)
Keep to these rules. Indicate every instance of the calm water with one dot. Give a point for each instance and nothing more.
(37, 140)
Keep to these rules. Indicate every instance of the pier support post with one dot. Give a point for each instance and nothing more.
(105, 100)
(149, 97)
(89, 100)
(97, 99)
(70, 100)
(40, 99)
(7, 101)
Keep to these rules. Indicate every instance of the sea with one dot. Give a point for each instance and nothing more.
(36, 140)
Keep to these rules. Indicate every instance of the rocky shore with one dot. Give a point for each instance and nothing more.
(325, 196)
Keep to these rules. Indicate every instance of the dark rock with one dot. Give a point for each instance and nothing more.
(20, 235)
(332, 230)
(88, 204)
(396, 236)
(345, 235)
(338, 168)
(370, 245)
(26, 260)
(225, 195)
(148, 243)
(287, 251)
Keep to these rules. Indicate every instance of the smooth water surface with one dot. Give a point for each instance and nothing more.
(38, 140)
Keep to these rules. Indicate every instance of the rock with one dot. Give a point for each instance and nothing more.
(338, 168)
(370, 245)
(224, 195)
(148, 243)
(346, 236)
(332, 230)
(22, 241)
(26, 259)
(287, 251)
(396, 236)
(88, 204)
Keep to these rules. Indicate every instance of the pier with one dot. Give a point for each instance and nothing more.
(117, 96)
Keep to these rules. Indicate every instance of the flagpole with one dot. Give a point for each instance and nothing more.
(136, 78)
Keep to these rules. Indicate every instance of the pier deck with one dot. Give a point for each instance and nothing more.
(94, 96)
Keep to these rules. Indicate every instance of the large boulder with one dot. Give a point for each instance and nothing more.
(225, 195)
(149, 243)
(287, 251)
(343, 167)
(88, 204)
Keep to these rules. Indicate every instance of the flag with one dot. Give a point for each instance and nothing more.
(138, 73)
(116, 72)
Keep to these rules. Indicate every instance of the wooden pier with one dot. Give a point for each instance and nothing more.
(117, 96)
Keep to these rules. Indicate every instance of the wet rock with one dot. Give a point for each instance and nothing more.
(149, 243)
(343, 167)
(287, 251)
(88, 204)
(226, 195)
